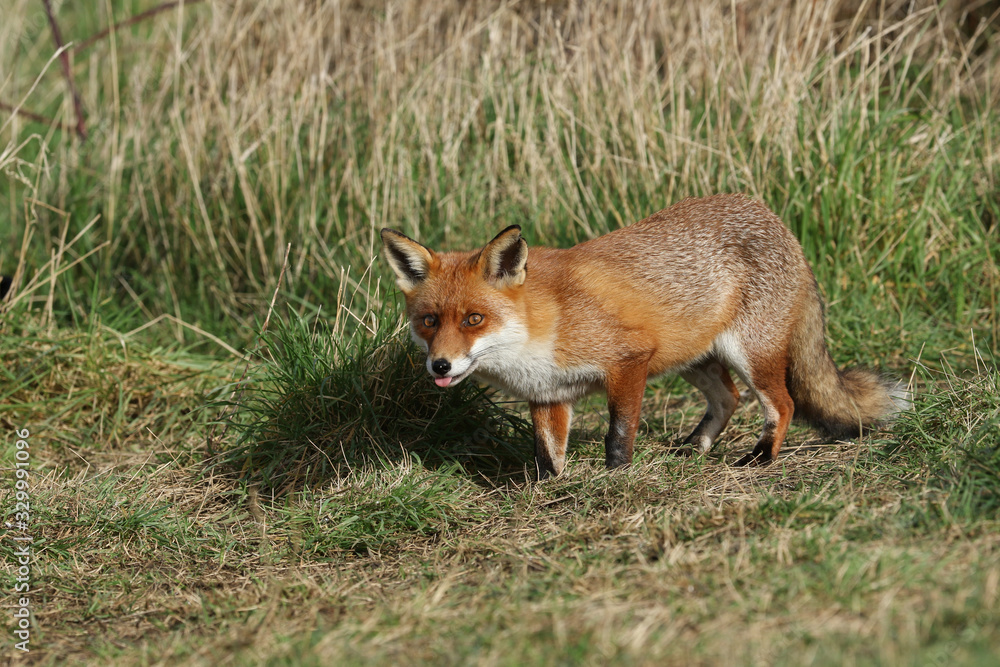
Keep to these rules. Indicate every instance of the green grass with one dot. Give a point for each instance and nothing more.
(207, 488)
(325, 400)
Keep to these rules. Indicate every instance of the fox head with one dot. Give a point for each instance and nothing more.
(461, 305)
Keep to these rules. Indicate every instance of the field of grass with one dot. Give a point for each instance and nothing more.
(233, 455)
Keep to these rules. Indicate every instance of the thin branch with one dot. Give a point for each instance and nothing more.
(81, 128)
(38, 118)
(93, 39)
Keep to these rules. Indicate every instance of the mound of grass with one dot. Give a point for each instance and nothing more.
(320, 402)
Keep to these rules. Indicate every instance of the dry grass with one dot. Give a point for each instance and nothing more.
(821, 558)
(840, 551)
(224, 131)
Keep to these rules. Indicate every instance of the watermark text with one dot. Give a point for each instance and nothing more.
(21, 534)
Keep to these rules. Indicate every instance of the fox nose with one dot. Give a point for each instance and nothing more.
(441, 366)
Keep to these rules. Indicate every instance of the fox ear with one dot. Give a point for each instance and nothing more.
(504, 258)
(409, 260)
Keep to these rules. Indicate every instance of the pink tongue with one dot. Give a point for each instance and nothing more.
(442, 382)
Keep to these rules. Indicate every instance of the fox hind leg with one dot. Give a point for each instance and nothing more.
(715, 383)
(767, 381)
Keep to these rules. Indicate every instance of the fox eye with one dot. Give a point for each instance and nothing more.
(430, 321)
(474, 319)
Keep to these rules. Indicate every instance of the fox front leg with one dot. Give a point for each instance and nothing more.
(551, 422)
(625, 390)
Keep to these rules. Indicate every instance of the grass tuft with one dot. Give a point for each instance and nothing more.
(320, 403)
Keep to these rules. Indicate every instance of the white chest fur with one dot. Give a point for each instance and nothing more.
(526, 369)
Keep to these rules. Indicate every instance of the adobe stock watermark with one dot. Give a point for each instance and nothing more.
(20, 532)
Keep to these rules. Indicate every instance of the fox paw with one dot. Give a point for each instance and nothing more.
(754, 458)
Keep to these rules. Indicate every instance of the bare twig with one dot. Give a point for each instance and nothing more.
(138, 18)
(81, 128)
(38, 118)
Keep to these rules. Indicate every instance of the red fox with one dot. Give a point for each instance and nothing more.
(701, 288)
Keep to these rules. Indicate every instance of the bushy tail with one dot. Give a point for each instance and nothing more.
(842, 402)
